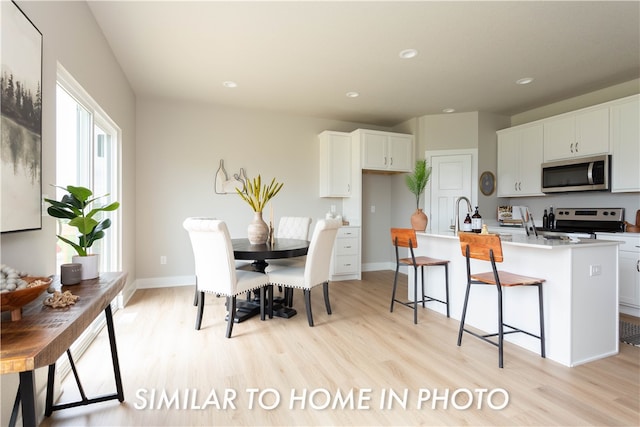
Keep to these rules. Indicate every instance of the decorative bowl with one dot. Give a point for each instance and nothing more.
(13, 301)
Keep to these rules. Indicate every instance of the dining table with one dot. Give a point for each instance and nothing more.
(260, 254)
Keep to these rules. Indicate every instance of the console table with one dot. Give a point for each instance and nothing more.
(44, 334)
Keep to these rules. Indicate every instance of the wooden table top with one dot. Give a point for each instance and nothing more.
(45, 333)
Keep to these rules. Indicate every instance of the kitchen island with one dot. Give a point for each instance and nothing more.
(580, 293)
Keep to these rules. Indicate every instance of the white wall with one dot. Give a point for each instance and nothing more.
(179, 148)
(71, 37)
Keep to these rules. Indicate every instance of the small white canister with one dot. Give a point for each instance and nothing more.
(70, 274)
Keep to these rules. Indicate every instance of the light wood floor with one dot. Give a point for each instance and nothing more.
(361, 346)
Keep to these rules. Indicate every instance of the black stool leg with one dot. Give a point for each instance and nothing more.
(446, 286)
(540, 302)
(464, 313)
(415, 295)
(500, 328)
(395, 284)
(422, 274)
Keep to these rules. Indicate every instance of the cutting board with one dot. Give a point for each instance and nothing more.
(638, 218)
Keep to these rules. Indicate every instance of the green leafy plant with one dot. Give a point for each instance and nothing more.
(258, 194)
(417, 181)
(75, 207)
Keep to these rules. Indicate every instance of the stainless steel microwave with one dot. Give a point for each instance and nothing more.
(582, 174)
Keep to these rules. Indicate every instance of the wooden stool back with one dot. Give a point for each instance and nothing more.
(404, 237)
(481, 245)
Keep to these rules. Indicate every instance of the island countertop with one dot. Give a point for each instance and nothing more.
(509, 239)
(580, 292)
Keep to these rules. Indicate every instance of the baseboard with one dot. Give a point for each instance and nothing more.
(378, 266)
(164, 282)
(631, 311)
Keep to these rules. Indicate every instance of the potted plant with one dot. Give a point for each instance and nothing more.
(417, 182)
(76, 207)
(257, 195)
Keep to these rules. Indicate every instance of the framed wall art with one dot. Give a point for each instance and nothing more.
(21, 127)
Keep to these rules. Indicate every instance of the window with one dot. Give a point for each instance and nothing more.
(86, 155)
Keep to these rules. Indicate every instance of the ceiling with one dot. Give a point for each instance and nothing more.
(303, 57)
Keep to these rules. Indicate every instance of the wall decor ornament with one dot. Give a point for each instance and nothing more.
(21, 116)
(224, 185)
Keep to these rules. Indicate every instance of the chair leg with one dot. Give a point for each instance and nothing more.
(263, 314)
(270, 300)
(422, 277)
(500, 329)
(307, 303)
(415, 296)
(325, 290)
(200, 296)
(231, 302)
(464, 313)
(195, 296)
(446, 286)
(395, 284)
(541, 304)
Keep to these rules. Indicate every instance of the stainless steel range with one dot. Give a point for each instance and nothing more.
(585, 222)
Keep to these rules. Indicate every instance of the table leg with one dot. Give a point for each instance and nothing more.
(28, 398)
(114, 353)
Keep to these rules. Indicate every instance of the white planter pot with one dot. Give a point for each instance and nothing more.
(90, 265)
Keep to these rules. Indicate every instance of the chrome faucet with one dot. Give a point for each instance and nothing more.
(469, 208)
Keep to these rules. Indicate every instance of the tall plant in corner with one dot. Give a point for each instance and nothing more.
(77, 207)
(417, 182)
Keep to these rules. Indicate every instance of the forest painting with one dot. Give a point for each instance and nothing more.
(21, 126)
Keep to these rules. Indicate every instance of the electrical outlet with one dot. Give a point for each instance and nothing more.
(373, 209)
(595, 270)
(163, 259)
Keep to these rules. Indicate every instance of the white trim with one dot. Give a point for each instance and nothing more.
(164, 282)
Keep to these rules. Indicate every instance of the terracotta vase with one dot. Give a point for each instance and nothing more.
(258, 230)
(419, 220)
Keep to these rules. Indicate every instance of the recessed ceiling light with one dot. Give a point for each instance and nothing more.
(524, 80)
(408, 53)
(448, 110)
(352, 94)
(229, 83)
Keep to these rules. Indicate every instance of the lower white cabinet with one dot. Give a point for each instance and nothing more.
(629, 271)
(345, 263)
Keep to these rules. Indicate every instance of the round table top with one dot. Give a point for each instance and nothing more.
(281, 248)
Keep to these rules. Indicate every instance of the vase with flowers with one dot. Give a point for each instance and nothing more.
(257, 195)
(417, 182)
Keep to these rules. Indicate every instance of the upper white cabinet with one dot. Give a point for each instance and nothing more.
(578, 134)
(519, 160)
(625, 144)
(335, 164)
(385, 151)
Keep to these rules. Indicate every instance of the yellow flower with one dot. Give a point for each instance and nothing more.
(258, 194)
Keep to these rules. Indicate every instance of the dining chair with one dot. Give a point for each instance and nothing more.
(488, 247)
(215, 268)
(316, 270)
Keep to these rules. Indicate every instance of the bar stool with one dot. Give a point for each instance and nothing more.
(488, 247)
(406, 238)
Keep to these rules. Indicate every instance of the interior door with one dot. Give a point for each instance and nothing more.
(451, 177)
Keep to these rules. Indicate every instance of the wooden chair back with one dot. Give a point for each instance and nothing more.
(404, 237)
(481, 245)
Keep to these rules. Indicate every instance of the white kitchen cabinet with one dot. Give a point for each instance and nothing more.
(625, 145)
(629, 270)
(345, 263)
(335, 164)
(385, 151)
(577, 134)
(519, 160)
